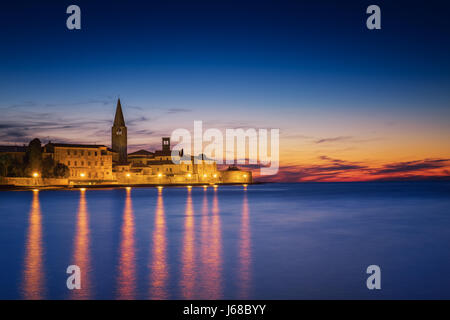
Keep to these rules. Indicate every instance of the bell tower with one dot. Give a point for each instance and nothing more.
(119, 134)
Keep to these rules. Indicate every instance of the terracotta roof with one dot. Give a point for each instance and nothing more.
(163, 153)
(70, 145)
(141, 153)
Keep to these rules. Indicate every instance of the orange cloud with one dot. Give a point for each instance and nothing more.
(334, 170)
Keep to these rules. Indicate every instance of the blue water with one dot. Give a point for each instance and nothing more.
(271, 241)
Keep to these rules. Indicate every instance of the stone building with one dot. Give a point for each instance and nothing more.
(87, 163)
(15, 152)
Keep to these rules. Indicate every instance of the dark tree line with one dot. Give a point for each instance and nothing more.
(32, 162)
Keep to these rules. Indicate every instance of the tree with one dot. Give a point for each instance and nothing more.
(16, 169)
(53, 169)
(5, 164)
(34, 157)
(61, 171)
(48, 167)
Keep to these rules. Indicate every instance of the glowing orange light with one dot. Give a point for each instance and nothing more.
(205, 175)
(81, 252)
(188, 278)
(36, 190)
(126, 281)
(35, 174)
(33, 267)
(159, 269)
(159, 175)
(128, 175)
(189, 175)
(128, 188)
(82, 175)
(245, 176)
(215, 175)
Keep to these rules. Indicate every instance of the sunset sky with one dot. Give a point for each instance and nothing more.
(351, 104)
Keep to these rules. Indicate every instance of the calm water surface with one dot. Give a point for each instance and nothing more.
(273, 241)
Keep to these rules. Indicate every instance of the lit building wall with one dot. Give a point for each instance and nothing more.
(85, 163)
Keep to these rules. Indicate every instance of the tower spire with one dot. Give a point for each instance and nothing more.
(118, 119)
(119, 135)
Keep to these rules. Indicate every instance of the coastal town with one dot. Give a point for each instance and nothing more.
(65, 165)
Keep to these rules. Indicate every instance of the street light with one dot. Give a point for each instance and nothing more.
(159, 175)
(128, 175)
(35, 174)
(82, 175)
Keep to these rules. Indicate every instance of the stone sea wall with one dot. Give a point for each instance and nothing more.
(33, 182)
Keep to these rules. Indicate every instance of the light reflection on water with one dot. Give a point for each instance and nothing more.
(244, 251)
(188, 272)
(126, 281)
(33, 273)
(276, 241)
(159, 269)
(81, 256)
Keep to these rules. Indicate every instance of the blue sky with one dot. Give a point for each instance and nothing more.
(310, 68)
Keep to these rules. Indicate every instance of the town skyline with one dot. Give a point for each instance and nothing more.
(375, 108)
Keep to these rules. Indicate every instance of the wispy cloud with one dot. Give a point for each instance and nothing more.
(334, 139)
(344, 139)
(411, 166)
(341, 170)
(178, 110)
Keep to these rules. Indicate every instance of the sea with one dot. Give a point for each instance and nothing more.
(263, 241)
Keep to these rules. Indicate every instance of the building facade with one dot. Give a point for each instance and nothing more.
(87, 163)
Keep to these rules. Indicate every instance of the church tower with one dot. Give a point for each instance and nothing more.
(119, 134)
